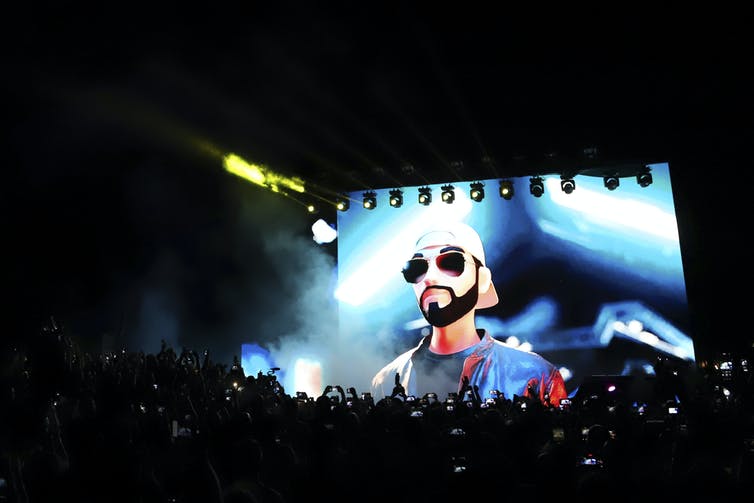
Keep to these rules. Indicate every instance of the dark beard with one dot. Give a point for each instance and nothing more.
(458, 307)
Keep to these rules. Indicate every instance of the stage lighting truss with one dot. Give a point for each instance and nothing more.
(476, 192)
(644, 179)
(506, 189)
(611, 182)
(448, 194)
(567, 184)
(536, 186)
(425, 196)
(342, 204)
(396, 198)
(370, 200)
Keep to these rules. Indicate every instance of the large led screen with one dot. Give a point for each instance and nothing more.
(592, 280)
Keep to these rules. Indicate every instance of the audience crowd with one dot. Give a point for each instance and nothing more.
(179, 427)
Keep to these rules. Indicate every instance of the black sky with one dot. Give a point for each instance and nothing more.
(114, 197)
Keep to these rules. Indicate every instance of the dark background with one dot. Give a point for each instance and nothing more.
(121, 222)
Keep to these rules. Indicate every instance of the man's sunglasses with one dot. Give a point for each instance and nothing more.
(451, 264)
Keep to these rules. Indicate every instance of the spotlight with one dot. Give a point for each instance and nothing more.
(448, 194)
(476, 192)
(322, 232)
(644, 178)
(536, 187)
(567, 184)
(425, 196)
(396, 198)
(506, 189)
(311, 209)
(611, 182)
(342, 204)
(370, 200)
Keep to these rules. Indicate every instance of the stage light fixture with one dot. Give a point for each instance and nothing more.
(370, 200)
(448, 194)
(644, 178)
(567, 184)
(476, 192)
(425, 196)
(312, 209)
(536, 186)
(506, 189)
(611, 182)
(342, 204)
(396, 198)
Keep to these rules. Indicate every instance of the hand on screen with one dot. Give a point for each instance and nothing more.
(398, 388)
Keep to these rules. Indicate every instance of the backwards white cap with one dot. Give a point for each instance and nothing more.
(461, 235)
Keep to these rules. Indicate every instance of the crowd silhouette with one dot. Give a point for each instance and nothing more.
(178, 427)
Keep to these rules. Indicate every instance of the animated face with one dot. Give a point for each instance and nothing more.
(445, 280)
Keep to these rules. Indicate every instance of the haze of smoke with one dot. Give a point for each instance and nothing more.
(308, 281)
(156, 323)
(256, 276)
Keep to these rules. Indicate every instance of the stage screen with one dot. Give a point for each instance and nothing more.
(592, 280)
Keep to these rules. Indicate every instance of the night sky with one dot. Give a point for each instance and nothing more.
(120, 220)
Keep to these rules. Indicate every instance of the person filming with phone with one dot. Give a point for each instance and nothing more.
(451, 281)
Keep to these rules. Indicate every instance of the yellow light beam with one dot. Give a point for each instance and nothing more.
(261, 175)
